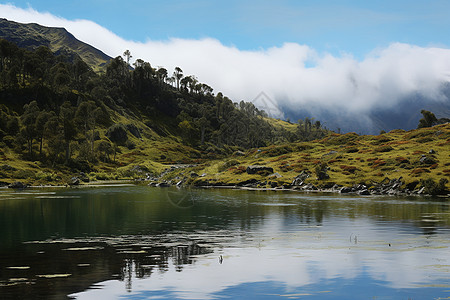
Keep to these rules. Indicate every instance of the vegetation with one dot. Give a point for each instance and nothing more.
(61, 116)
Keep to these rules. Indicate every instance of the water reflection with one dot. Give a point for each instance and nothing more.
(139, 243)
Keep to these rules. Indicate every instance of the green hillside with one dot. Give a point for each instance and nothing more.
(58, 40)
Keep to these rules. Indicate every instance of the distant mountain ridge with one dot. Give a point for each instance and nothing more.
(58, 40)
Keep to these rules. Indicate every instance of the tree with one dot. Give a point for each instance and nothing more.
(185, 82)
(41, 120)
(428, 120)
(28, 118)
(178, 74)
(66, 117)
(127, 55)
(162, 75)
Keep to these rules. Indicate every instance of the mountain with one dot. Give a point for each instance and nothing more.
(58, 40)
(405, 114)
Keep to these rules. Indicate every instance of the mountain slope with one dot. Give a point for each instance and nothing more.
(59, 40)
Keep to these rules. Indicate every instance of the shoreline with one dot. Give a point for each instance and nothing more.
(359, 191)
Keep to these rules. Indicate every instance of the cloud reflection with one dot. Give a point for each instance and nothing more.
(299, 256)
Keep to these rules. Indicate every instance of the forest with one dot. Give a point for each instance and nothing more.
(56, 110)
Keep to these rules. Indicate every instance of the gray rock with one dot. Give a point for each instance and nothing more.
(300, 178)
(74, 181)
(276, 175)
(364, 192)
(17, 185)
(256, 169)
(346, 190)
(239, 153)
(427, 160)
(309, 187)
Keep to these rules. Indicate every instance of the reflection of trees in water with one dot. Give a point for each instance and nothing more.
(89, 262)
(143, 265)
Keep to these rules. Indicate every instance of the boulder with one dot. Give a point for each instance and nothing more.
(249, 183)
(427, 160)
(300, 178)
(345, 190)
(74, 181)
(17, 185)
(275, 175)
(238, 153)
(259, 169)
(364, 192)
(309, 187)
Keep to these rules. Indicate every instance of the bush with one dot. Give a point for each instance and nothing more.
(117, 133)
(321, 171)
(228, 164)
(433, 188)
(385, 148)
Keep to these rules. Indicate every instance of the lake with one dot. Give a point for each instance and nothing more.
(136, 242)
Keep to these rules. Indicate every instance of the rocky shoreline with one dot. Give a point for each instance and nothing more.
(392, 187)
(188, 178)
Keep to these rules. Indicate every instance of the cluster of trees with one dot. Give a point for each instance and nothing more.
(52, 105)
(429, 119)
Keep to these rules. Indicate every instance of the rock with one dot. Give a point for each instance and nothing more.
(275, 175)
(336, 188)
(163, 184)
(432, 151)
(300, 178)
(249, 183)
(74, 181)
(84, 177)
(364, 192)
(17, 185)
(238, 153)
(345, 190)
(421, 191)
(259, 169)
(309, 187)
(330, 153)
(427, 160)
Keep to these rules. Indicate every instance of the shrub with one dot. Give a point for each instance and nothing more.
(228, 164)
(321, 171)
(117, 133)
(350, 169)
(384, 148)
(433, 188)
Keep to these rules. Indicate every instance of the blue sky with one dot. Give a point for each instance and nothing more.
(352, 27)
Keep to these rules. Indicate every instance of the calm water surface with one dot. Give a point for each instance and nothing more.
(150, 243)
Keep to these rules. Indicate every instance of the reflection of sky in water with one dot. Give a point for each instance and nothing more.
(341, 258)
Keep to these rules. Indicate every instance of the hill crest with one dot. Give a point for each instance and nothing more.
(33, 35)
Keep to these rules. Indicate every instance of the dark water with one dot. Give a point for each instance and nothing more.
(151, 243)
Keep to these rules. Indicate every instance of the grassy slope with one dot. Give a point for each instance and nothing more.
(351, 158)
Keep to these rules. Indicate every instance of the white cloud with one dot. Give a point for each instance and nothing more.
(292, 74)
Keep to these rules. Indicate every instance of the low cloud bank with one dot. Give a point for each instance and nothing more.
(293, 76)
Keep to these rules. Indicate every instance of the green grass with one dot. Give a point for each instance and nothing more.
(350, 158)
